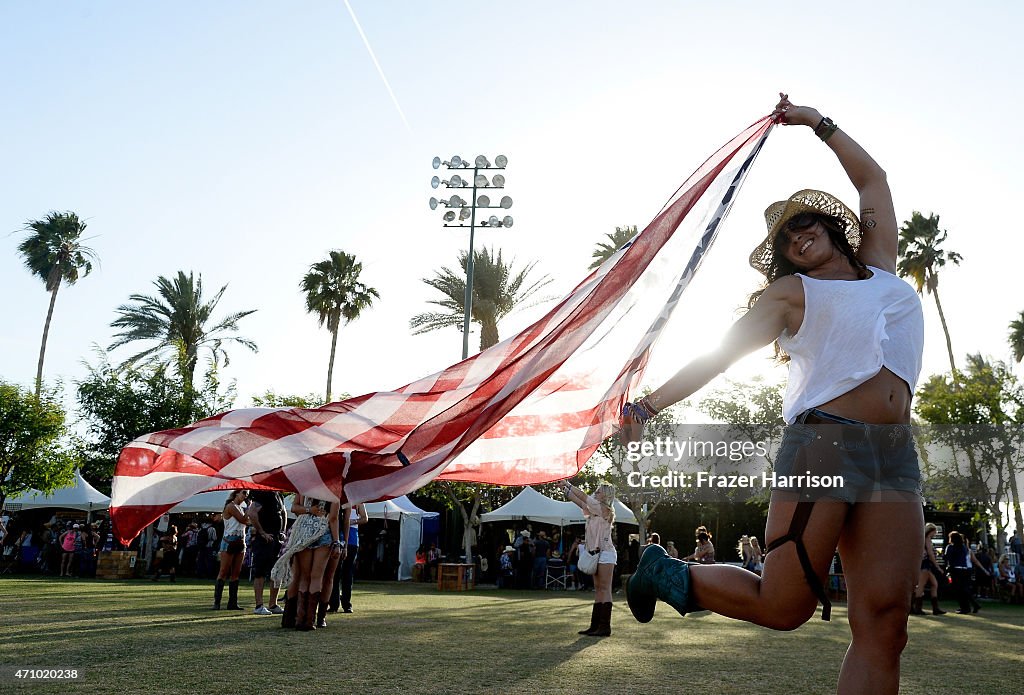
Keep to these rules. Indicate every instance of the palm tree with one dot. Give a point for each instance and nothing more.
(605, 250)
(921, 255)
(1017, 337)
(177, 320)
(497, 292)
(54, 252)
(334, 292)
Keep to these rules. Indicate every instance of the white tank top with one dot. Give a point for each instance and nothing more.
(851, 329)
(234, 527)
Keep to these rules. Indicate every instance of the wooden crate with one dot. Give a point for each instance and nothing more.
(115, 564)
(455, 577)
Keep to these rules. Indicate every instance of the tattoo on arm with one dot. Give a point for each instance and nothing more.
(866, 216)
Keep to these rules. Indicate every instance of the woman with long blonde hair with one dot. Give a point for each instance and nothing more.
(599, 511)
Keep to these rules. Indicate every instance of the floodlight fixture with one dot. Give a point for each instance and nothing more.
(506, 202)
(501, 161)
(499, 181)
(433, 203)
(507, 220)
(483, 201)
(436, 163)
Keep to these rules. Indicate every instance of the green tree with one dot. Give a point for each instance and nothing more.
(120, 404)
(498, 290)
(334, 292)
(752, 410)
(177, 321)
(270, 399)
(1017, 337)
(982, 412)
(606, 249)
(921, 256)
(35, 451)
(53, 251)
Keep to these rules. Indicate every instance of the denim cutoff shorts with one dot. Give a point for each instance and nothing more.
(849, 462)
(324, 540)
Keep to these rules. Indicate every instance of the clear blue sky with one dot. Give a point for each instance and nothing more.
(243, 140)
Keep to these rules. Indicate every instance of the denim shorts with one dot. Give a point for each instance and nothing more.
(227, 539)
(851, 462)
(324, 540)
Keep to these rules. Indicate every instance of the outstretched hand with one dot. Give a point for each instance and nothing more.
(788, 113)
(631, 426)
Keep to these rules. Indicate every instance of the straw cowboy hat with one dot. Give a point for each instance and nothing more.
(509, 549)
(807, 200)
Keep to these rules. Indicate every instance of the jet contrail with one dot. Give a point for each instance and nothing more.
(380, 71)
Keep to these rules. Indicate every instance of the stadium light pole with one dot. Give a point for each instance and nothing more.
(455, 167)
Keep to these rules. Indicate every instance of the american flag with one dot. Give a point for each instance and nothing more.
(531, 409)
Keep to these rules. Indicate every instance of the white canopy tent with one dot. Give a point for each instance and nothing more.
(533, 506)
(530, 504)
(410, 524)
(79, 495)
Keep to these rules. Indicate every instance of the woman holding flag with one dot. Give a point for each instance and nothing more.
(854, 333)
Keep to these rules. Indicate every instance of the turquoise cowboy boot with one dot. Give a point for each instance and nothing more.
(658, 576)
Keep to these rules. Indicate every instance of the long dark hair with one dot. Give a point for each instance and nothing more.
(782, 266)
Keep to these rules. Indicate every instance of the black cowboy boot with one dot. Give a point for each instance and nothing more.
(291, 605)
(935, 606)
(321, 614)
(218, 593)
(233, 596)
(915, 605)
(604, 621)
(594, 616)
(658, 576)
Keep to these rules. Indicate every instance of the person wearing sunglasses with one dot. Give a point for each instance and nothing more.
(853, 334)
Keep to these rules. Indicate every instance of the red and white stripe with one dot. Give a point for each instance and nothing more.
(531, 409)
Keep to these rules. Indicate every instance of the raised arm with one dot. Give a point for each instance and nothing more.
(574, 494)
(758, 327)
(877, 214)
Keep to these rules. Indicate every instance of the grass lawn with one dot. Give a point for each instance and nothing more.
(139, 637)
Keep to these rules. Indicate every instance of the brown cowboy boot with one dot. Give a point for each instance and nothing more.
(312, 603)
(300, 609)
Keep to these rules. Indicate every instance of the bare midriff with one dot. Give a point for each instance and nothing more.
(884, 399)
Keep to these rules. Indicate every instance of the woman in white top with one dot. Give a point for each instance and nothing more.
(232, 549)
(855, 334)
(600, 514)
